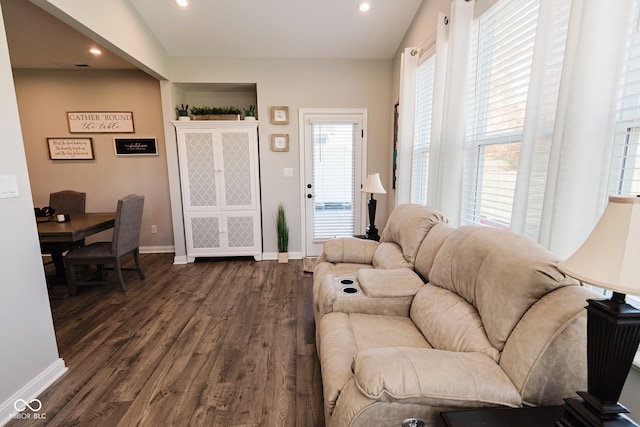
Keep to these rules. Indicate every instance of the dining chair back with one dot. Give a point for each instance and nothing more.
(125, 242)
(68, 201)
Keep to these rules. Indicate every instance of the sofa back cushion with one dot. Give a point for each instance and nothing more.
(389, 255)
(429, 248)
(407, 225)
(449, 322)
(498, 272)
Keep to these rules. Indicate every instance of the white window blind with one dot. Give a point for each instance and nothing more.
(501, 62)
(624, 177)
(334, 180)
(422, 130)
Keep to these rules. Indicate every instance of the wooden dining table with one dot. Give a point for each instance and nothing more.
(57, 237)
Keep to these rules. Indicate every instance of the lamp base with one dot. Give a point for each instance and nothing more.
(613, 334)
(577, 412)
(372, 233)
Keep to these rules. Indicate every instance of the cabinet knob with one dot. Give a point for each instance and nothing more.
(309, 196)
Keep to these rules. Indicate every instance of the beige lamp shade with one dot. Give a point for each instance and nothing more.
(610, 257)
(373, 184)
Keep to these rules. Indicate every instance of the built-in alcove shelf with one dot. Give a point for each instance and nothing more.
(240, 95)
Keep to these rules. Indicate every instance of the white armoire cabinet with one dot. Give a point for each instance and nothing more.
(219, 179)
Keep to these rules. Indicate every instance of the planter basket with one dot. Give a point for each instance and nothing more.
(216, 117)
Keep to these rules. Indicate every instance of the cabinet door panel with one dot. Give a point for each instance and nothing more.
(205, 232)
(200, 169)
(241, 231)
(238, 170)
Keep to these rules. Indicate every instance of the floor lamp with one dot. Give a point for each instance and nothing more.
(610, 259)
(374, 186)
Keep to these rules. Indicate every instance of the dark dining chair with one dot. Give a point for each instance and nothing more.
(125, 242)
(68, 201)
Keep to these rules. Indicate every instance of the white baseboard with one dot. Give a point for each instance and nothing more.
(32, 390)
(270, 256)
(157, 249)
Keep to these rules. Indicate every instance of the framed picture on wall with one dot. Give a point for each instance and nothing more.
(279, 115)
(280, 142)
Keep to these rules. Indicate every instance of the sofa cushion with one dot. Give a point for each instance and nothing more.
(500, 273)
(432, 377)
(389, 283)
(389, 255)
(449, 322)
(349, 250)
(407, 225)
(343, 335)
(429, 248)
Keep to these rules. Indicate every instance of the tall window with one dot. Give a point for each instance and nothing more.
(624, 177)
(504, 38)
(422, 131)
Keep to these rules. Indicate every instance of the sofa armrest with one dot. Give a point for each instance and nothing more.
(349, 250)
(433, 377)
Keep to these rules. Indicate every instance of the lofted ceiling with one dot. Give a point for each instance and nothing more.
(324, 29)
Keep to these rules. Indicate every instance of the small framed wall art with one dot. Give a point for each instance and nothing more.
(135, 146)
(279, 115)
(70, 148)
(280, 142)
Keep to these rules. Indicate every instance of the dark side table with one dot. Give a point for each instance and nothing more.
(541, 416)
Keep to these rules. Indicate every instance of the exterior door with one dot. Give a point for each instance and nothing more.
(334, 151)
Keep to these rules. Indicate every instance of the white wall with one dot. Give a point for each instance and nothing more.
(29, 358)
(302, 84)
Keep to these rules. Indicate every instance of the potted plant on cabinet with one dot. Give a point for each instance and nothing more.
(183, 112)
(283, 235)
(250, 114)
(215, 113)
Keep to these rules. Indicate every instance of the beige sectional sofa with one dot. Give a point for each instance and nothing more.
(437, 318)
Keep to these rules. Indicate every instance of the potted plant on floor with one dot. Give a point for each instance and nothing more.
(283, 235)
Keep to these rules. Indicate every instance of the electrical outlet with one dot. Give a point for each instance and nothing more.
(288, 172)
(154, 229)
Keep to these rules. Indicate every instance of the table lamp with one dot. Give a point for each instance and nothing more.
(374, 186)
(610, 259)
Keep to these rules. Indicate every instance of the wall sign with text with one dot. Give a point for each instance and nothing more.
(100, 121)
(135, 146)
(70, 148)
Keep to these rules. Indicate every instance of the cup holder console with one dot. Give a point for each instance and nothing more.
(348, 286)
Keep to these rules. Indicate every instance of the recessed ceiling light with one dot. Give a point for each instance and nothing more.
(364, 6)
(183, 3)
(95, 51)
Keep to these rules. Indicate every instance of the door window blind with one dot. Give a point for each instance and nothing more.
(334, 178)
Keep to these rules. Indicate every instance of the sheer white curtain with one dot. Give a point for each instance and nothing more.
(406, 114)
(450, 164)
(583, 134)
(546, 71)
(437, 114)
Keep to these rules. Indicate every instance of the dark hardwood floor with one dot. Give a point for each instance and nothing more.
(215, 343)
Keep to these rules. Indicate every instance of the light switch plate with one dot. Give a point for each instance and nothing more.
(288, 172)
(8, 186)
